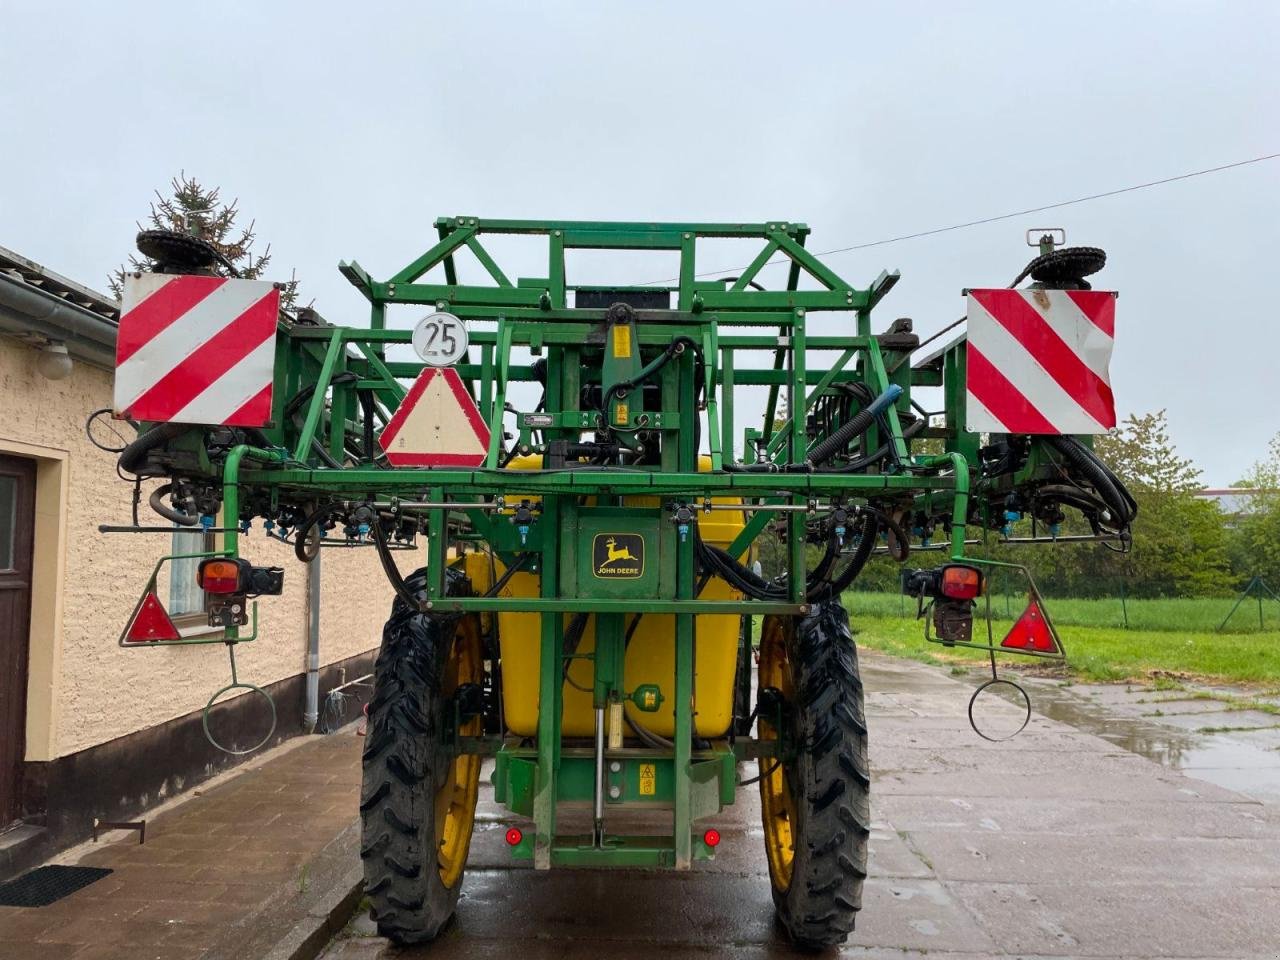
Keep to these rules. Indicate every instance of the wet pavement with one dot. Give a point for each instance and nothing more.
(227, 871)
(1081, 837)
(1216, 734)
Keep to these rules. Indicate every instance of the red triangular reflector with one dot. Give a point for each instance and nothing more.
(1031, 632)
(151, 622)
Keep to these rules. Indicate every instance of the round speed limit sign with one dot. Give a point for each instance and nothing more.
(440, 339)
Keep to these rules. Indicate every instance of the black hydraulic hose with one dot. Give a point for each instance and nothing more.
(828, 560)
(861, 554)
(1119, 502)
(521, 560)
(300, 549)
(673, 348)
(1082, 500)
(734, 573)
(135, 454)
(388, 566)
(156, 500)
(819, 585)
(861, 463)
(1119, 484)
(301, 397)
(854, 427)
(899, 535)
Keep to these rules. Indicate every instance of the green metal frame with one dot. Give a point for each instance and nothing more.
(731, 321)
(229, 635)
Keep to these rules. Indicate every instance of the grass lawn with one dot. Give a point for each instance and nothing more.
(1200, 615)
(1096, 652)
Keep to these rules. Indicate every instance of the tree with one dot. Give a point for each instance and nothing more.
(1179, 540)
(199, 210)
(1256, 538)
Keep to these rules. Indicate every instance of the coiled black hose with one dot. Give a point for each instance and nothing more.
(156, 500)
(1115, 497)
(134, 455)
(818, 585)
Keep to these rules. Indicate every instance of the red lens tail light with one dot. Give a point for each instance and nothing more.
(711, 838)
(514, 836)
(218, 576)
(960, 582)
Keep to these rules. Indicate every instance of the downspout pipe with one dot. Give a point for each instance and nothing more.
(311, 711)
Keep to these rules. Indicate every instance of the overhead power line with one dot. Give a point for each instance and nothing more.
(1003, 216)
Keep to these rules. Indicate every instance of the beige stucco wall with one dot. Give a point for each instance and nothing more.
(84, 689)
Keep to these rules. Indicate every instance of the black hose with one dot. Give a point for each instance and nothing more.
(860, 464)
(511, 571)
(861, 554)
(671, 350)
(388, 566)
(1119, 502)
(898, 535)
(88, 431)
(300, 549)
(301, 397)
(830, 445)
(135, 454)
(156, 500)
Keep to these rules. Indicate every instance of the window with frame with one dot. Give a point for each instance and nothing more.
(186, 600)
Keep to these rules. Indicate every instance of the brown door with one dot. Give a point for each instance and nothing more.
(17, 524)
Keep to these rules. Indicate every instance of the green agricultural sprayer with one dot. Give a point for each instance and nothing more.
(593, 606)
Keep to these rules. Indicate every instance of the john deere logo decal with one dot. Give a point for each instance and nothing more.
(617, 556)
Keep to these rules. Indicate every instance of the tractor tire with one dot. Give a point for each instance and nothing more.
(816, 806)
(419, 793)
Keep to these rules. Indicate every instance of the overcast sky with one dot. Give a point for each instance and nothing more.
(345, 129)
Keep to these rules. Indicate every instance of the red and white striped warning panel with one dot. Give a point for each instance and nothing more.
(436, 425)
(194, 349)
(1037, 361)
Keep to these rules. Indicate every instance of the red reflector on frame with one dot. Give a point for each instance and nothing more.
(514, 836)
(151, 622)
(711, 838)
(1032, 632)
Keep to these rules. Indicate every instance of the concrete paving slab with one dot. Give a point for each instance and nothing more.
(219, 877)
(1064, 842)
(1139, 784)
(1138, 920)
(1039, 857)
(1091, 818)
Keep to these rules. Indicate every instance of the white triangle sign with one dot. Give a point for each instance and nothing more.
(436, 425)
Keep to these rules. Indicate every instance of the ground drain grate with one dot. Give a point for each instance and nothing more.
(46, 885)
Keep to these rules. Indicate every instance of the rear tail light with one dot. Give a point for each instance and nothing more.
(219, 576)
(514, 837)
(960, 582)
(711, 838)
(222, 575)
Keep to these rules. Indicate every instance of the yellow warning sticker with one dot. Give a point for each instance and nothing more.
(648, 779)
(621, 414)
(621, 341)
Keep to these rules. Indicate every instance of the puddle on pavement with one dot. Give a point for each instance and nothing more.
(1231, 762)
